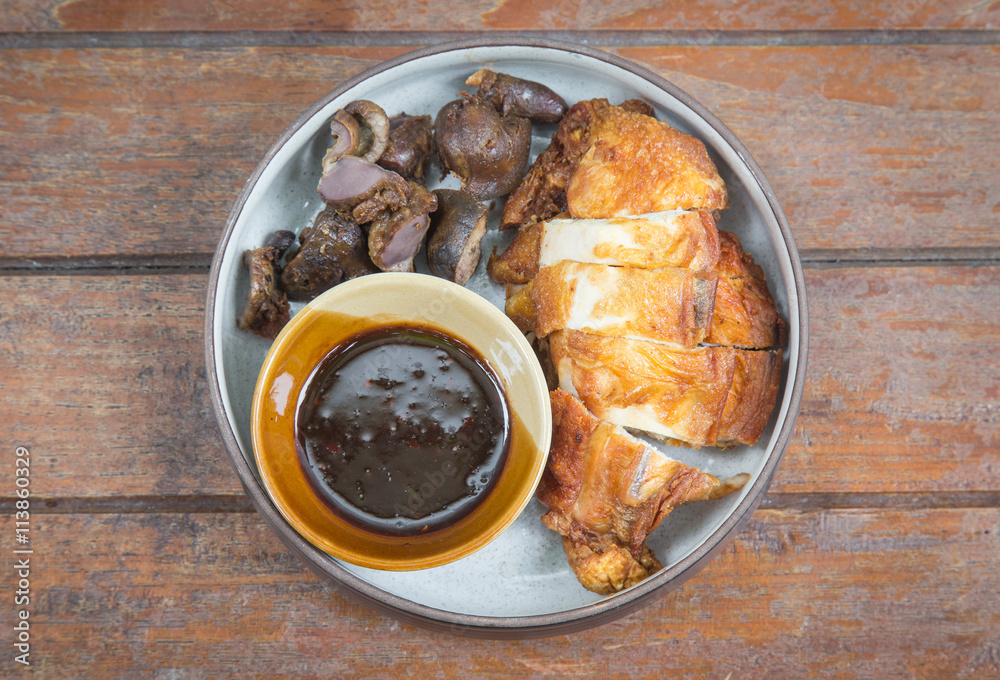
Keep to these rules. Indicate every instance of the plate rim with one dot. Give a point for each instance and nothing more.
(534, 625)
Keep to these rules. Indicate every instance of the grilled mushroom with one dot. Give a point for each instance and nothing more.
(488, 152)
(332, 250)
(395, 236)
(458, 226)
(357, 186)
(518, 97)
(359, 129)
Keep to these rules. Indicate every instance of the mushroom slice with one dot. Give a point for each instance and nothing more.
(359, 129)
(346, 138)
(519, 97)
(395, 236)
(409, 151)
(488, 152)
(332, 250)
(354, 185)
(266, 309)
(459, 224)
(374, 126)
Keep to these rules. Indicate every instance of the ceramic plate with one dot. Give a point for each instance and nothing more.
(519, 585)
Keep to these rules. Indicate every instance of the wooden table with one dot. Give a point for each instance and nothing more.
(125, 136)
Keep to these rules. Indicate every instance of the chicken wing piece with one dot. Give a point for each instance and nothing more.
(670, 305)
(607, 491)
(674, 238)
(518, 264)
(636, 164)
(668, 393)
(606, 570)
(745, 315)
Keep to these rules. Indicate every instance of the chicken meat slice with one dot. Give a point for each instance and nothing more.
(676, 395)
(673, 238)
(670, 305)
(648, 386)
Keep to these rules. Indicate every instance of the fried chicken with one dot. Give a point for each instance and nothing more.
(647, 319)
(637, 164)
(607, 490)
(745, 315)
(674, 238)
(668, 393)
(542, 192)
(609, 161)
(671, 305)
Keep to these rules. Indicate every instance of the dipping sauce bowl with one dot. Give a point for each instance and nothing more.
(369, 307)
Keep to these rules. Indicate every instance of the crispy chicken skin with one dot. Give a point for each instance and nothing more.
(519, 262)
(752, 397)
(636, 164)
(604, 567)
(709, 396)
(542, 193)
(606, 491)
(670, 305)
(673, 238)
(745, 315)
(668, 393)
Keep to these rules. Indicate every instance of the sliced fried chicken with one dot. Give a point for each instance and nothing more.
(607, 490)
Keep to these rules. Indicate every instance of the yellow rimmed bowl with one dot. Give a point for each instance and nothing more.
(409, 301)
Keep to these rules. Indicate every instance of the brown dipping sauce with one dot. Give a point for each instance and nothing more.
(402, 430)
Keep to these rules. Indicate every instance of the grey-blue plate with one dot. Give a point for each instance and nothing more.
(520, 585)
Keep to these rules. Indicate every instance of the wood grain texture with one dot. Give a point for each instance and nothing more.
(903, 382)
(830, 594)
(111, 393)
(143, 151)
(314, 15)
(862, 145)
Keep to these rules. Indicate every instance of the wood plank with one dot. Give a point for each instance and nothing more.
(872, 147)
(137, 151)
(107, 385)
(866, 147)
(831, 594)
(411, 15)
(902, 385)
